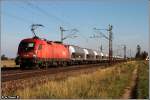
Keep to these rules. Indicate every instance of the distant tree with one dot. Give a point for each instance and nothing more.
(3, 57)
(138, 53)
(144, 55)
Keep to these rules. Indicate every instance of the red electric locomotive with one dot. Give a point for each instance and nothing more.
(40, 52)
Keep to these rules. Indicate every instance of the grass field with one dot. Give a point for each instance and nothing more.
(104, 83)
(108, 83)
(8, 63)
(143, 81)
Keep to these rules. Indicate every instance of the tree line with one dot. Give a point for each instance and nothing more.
(140, 55)
(4, 57)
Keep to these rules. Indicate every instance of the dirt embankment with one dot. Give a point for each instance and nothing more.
(138, 85)
(129, 92)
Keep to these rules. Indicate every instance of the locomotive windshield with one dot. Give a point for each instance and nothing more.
(26, 46)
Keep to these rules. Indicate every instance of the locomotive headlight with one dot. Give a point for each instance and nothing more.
(34, 56)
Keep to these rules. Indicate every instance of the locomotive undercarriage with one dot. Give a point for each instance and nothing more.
(45, 63)
(26, 62)
(40, 63)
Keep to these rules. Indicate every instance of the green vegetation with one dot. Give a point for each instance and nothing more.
(140, 55)
(104, 83)
(143, 81)
(3, 57)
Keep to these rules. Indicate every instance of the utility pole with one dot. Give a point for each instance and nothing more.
(108, 38)
(110, 43)
(101, 48)
(130, 53)
(124, 51)
(62, 30)
(124, 47)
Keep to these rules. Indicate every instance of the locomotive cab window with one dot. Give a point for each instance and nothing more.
(40, 47)
(30, 45)
(26, 46)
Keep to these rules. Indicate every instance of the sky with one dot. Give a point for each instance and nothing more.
(128, 17)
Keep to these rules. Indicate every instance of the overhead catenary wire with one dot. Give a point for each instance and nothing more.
(18, 18)
(28, 10)
(42, 11)
(49, 15)
(108, 38)
(35, 7)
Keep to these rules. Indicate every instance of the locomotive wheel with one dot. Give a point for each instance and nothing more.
(46, 66)
(37, 66)
(64, 64)
(22, 66)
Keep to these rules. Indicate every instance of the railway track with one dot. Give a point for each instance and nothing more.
(10, 75)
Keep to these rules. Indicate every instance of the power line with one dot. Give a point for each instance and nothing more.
(42, 11)
(51, 15)
(73, 31)
(35, 7)
(124, 49)
(18, 18)
(28, 10)
(108, 38)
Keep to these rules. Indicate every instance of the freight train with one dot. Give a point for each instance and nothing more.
(37, 52)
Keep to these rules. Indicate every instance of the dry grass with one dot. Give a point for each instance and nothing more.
(104, 83)
(7, 63)
(143, 81)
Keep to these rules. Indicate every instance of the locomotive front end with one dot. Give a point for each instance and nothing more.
(26, 55)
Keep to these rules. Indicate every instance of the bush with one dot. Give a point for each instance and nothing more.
(3, 57)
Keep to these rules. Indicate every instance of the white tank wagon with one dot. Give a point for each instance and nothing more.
(80, 55)
(76, 53)
(95, 55)
(102, 55)
(90, 55)
(85, 54)
(105, 57)
(99, 55)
